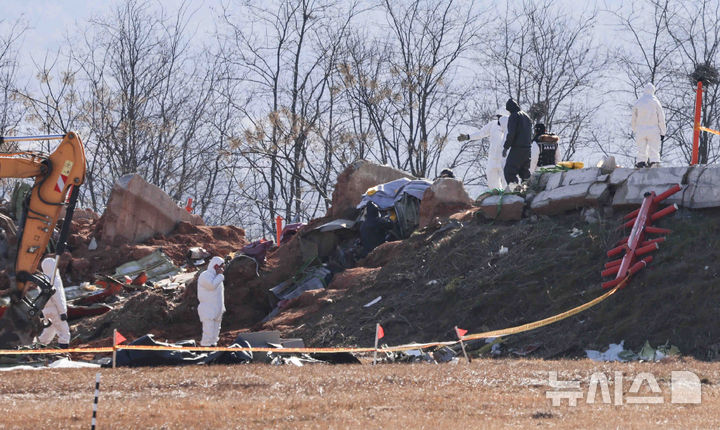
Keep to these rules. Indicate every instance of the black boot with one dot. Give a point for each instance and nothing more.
(63, 345)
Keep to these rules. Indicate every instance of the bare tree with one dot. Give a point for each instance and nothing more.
(406, 84)
(550, 62)
(147, 96)
(694, 29)
(288, 69)
(11, 110)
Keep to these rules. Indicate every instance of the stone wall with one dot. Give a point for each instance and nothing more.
(622, 188)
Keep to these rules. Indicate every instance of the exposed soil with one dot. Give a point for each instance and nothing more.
(218, 240)
(150, 311)
(455, 275)
(452, 273)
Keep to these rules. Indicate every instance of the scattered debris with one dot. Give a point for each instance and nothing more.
(139, 358)
(196, 255)
(289, 231)
(257, 250)
(611, 354)
(617, 352)
(61, 363)
(156, 266)
(575, 232)
(313, 278)
(372, 302)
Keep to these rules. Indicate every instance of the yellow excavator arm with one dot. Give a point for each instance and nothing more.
(55, 175)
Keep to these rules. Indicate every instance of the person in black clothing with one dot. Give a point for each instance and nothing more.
(517, 140)
(546, 151)
(446, 173)
(374, 229)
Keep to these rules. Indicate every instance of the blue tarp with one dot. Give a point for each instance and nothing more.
(385, 195)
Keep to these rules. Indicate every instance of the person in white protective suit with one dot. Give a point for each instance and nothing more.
(211, 295)
(494, 130)
(648, 124)
(55, 310)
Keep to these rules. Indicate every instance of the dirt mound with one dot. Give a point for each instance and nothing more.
(354, 279)
(381, 255)
(170, 315)
(218, 240)
(145, 312)
(456, 275)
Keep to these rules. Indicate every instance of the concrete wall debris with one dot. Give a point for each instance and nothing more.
(354, 181)
(137, 210)
(445, 197)
(623, 188)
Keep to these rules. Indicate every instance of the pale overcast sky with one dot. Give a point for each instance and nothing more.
(51, 20)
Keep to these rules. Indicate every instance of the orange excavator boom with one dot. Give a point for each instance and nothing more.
(56, 175)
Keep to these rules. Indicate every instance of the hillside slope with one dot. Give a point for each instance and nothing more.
(453, 274)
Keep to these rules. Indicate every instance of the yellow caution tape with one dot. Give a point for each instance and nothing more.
(406, 347)
(709, 130)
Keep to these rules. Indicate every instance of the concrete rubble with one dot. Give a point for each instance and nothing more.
(445, 197)
(137, 210)
(623, 188)
(502, 207)
(354, 181)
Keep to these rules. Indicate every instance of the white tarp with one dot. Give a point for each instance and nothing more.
(63, 363)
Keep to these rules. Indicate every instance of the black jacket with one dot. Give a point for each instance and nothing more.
(519, 128)
(374, 229)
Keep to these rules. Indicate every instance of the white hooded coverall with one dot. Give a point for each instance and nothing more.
(211, 295)
(56, 306)
(495, 161)
(648, 124)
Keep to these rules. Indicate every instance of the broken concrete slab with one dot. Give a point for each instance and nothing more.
(503, 207)
(580, 176)
(354, 181)
(445, 197)
(560, 199)
(156, 266)
(138, 210)
(620, 175)
(598, 194)
(554, 180)
(702, 190)
(631, 192)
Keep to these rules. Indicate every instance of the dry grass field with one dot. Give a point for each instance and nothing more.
(484, 394)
